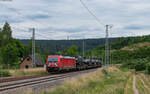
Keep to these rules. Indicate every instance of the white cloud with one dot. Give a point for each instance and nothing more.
(57, 19)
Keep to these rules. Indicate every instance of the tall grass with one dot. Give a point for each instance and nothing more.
(95, 83)
(129, 86)
(21, 72)
(142, 83)
(4, 73)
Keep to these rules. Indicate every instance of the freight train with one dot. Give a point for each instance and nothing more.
(58, 63)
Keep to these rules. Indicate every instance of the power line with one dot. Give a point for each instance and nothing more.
(97, 19)
(30, 31)
(43, 36)
(21, 29)
(107, 54)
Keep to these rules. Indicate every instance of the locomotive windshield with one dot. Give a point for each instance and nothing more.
(52, 59)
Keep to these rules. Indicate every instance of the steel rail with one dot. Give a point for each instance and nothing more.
(29, 82)
(35, 81)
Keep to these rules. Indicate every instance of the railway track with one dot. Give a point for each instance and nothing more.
(35, 81)
(10, 79)
(13, 85)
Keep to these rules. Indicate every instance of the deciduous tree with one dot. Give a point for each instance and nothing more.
(73, 51)
(10, 55)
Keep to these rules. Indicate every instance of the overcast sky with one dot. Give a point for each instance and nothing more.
(57, 19)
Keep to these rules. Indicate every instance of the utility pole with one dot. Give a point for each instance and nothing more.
(107, 56)
(67, 37)
(110, 55)
(83, 48)
(33, 46)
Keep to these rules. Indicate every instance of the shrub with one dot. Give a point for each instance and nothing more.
(148, 68)
(104, 71)
(140, 64)
(128, 64)
(137, 64)
(4, 73)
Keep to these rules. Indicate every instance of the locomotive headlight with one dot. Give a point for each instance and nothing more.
(56, 64)
(49, 64)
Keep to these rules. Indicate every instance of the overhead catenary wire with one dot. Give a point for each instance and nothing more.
(28, 31)
(21, 29)
(43, 36)
(96, 18)
(107, 58)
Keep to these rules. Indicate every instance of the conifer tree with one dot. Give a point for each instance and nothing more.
(6, 35)
(0, 37)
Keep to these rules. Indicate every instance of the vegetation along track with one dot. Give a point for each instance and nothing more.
(9, 79)
(34, 81)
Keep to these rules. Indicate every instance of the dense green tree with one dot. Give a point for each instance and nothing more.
(73, 51)
(11, 50)
(0, 58)
(148, 68)
(0, 37)
(6, 35)
(140, 64)
(21, 48)
(26, 51)
(142, 52)
(45, 55)
(10, 55)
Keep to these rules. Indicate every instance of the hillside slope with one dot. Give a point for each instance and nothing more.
(122, 42)
(53, 46)
(135, 46)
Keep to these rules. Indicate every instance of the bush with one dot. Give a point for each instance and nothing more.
(140, 64)
(137, 64)
(148, 68)
(128, 64)
(104, 71)
(4, 73)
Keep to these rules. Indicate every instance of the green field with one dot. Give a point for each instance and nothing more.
(115, 82)
(21, 72)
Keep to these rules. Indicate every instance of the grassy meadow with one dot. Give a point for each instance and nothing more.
(143, 83)
(99, 82)
(113, 81)
(23, 72)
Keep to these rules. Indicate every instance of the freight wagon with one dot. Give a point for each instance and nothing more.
(57, 63)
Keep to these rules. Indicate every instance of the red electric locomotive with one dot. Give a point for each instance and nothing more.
(58, 63)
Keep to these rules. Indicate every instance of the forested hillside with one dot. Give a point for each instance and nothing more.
(126, 41)
(122, 42)
(54, 46)
(131, 52)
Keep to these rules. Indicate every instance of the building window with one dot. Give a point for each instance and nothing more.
(28, 59)
(26, 66)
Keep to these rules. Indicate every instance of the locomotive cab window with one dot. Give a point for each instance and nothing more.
(53, 59)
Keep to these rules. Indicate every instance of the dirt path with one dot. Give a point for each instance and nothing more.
(134, 85)
(144, 84)
(127, 87)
